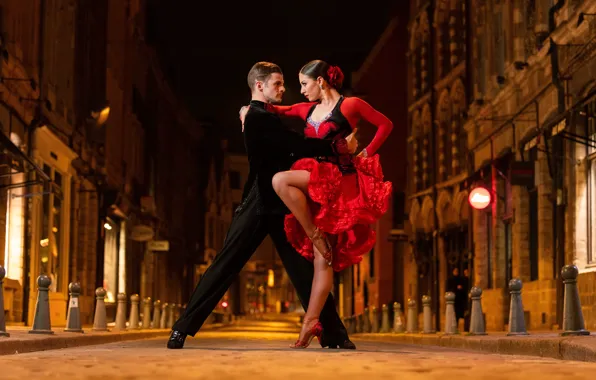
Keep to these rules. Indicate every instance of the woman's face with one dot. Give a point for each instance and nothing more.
(309, 88)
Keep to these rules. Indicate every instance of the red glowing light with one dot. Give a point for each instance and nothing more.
(479, 198)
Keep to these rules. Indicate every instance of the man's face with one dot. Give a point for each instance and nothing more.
(273, 88)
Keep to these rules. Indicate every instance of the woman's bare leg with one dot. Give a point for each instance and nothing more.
(292, 187)
(322, 283)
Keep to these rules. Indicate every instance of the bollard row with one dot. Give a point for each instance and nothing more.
(42, 323)
(573, 319)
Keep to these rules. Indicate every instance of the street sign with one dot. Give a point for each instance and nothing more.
(479, 198)
(142, 233)
(158, 245)
(522, 173)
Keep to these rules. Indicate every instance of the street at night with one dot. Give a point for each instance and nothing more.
(259, 350)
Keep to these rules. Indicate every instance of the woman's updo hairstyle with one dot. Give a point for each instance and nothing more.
(317, 68)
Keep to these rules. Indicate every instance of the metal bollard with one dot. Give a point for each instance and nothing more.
(398, 319)
(385, 319)
(477, 326)
(2, 318)
(156, 314)
(133, 321)
(517, 324)
(375, 320)
(450, 319)
(73, 319)
(359, 323)
(41, 321)
(573, 317)
(412, 320)
(147, 305)
(164, 312)
(352, 326)
(427, 316)
(121, 312)
(99, 320)
(170, 319)
(367, 325)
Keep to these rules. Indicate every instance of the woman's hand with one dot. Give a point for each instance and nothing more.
(352, 141)
(242, 115)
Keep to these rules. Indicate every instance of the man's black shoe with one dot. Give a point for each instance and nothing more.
(346, 345)
(176, 340)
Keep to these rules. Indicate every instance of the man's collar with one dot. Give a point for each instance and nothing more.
(262, 105)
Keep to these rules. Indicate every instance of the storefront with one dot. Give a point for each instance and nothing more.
(51, 216)
(20, 175)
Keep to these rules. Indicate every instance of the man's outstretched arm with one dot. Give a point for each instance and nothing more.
(269, 130)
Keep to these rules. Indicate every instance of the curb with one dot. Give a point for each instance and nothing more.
(32, 343)
(580, 348)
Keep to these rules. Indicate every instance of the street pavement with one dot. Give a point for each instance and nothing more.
(259, 350)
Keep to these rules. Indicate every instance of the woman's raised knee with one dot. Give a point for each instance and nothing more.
(278, 182)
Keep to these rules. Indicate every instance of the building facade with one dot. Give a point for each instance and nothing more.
(96, 148)
(498, 99)
(380, 81)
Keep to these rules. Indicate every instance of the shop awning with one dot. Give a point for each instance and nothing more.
(560, 125)
(17, 162)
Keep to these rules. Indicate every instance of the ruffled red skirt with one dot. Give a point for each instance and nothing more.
(344, 206)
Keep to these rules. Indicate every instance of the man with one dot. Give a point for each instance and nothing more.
(457, 285)
(271, 148)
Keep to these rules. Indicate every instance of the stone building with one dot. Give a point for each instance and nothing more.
(96, 145)
(380, 82)
(498, 100)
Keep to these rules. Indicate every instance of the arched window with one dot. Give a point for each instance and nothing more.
(444, 135)
(415, 61)
(530, 42)
(457, 32)
(417, 152)
(441, 24)
(499, 39)
(425, 53)
(480, 51)
(426, 154)
(459, 144)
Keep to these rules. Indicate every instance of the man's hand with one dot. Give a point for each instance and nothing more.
(352, 141)
(242, 115)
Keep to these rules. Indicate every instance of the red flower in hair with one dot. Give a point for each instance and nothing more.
(336, 76)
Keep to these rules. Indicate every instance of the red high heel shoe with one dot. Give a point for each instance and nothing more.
(316, 330)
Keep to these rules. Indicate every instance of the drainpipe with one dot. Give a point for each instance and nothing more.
(558, 211)
(554, 57)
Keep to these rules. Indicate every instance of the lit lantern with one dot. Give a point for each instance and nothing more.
(224, 304)
(479, 198)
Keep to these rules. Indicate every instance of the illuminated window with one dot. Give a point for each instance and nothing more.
(52, 224)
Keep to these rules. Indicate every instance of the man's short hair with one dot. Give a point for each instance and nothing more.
(261, 71)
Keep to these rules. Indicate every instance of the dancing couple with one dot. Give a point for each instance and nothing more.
(333, 197)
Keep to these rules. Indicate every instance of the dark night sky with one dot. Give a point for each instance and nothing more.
(208, 49)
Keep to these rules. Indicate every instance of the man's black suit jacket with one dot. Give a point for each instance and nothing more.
(272, 148)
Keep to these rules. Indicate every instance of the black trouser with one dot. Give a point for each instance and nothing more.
(246, 233)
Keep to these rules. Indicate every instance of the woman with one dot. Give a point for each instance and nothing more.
(333, 200)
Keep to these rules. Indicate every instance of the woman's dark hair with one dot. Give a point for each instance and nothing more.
(317, 68)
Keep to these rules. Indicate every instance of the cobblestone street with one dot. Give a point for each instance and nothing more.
(260, 351)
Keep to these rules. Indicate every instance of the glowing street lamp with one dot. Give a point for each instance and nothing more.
(101, 115)
(479, 198)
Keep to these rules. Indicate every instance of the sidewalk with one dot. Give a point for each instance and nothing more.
(20, 341)
(544, 344)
